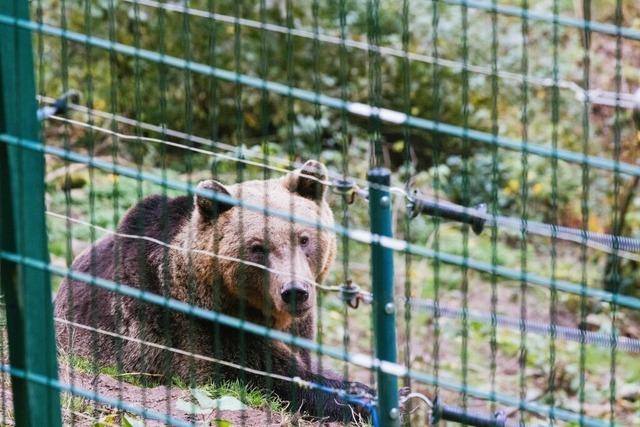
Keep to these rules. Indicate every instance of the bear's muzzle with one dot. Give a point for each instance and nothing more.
(295, 295)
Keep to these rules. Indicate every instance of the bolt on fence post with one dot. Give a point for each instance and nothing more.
(27, 290)
(384, 319)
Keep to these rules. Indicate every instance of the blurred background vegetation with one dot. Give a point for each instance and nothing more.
(292, 129)
(258, 124)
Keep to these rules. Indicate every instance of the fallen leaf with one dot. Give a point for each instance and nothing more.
(191, 408)
(229, 403)
(108, 420)
(129, 421)
(204, 401)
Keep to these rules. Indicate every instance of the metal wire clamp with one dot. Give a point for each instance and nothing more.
(350, 293)
(347, 188)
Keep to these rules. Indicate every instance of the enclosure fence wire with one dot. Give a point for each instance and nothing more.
(595, 96)
(616, 245)
(623, 247)
(355, 235)
(361, 360)
(565, 333)
(356, 108)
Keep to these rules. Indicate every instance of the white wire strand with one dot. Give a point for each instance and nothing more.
(361, 360)
(235, 158)
(516, 226)
(567, 333)
(285, 165)
(564, 333)
(135, 138)
(237, 155)
(151, 127)
(507, 224)
(328, 288)
(198, 356)
(595, 96)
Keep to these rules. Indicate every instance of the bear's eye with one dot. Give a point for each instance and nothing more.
(257, 249)
(304, 240)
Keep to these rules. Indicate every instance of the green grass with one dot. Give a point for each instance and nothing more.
(250, 396)
(85, 365)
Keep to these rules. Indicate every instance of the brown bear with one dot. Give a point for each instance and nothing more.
(220, 257)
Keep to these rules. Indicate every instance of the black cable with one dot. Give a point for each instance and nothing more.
(478, 217)
(441, 411)
(565, 333)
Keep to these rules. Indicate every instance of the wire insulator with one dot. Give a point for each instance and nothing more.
(350, 293)
(59, 106)
(346, 188)
(441, 411)
(446, 210)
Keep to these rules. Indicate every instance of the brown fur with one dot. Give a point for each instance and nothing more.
(215, 283)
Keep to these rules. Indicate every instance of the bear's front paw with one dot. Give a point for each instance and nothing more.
(359, 390)
(359, 400)
(353, 405)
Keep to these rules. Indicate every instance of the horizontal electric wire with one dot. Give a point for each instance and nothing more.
(606, 340)
(611, 99)
(361, 236)
(171, 133)
(202, 357)
(570, 334)
(533, 16)
(357, 108)
(625, 100)
(603, 242)
(127, 137)
(189, 250)
(238, 151)
(362, 360)
(621, 246)
(238, 157)
(336, 40)
(627, 344)
(151, 127)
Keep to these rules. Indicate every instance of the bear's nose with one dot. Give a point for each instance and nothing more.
(294, 293)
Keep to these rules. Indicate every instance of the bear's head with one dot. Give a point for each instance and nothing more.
(265, 264)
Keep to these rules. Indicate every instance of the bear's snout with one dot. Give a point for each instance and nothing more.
(296, 296)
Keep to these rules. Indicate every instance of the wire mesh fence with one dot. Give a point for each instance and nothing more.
(459, 249)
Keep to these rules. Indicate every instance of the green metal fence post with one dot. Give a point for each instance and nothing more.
(384, 319)
(27, 290)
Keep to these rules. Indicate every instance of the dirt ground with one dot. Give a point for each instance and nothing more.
(160, 399)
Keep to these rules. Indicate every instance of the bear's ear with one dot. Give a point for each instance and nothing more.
(310, 181)
(209, 208)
